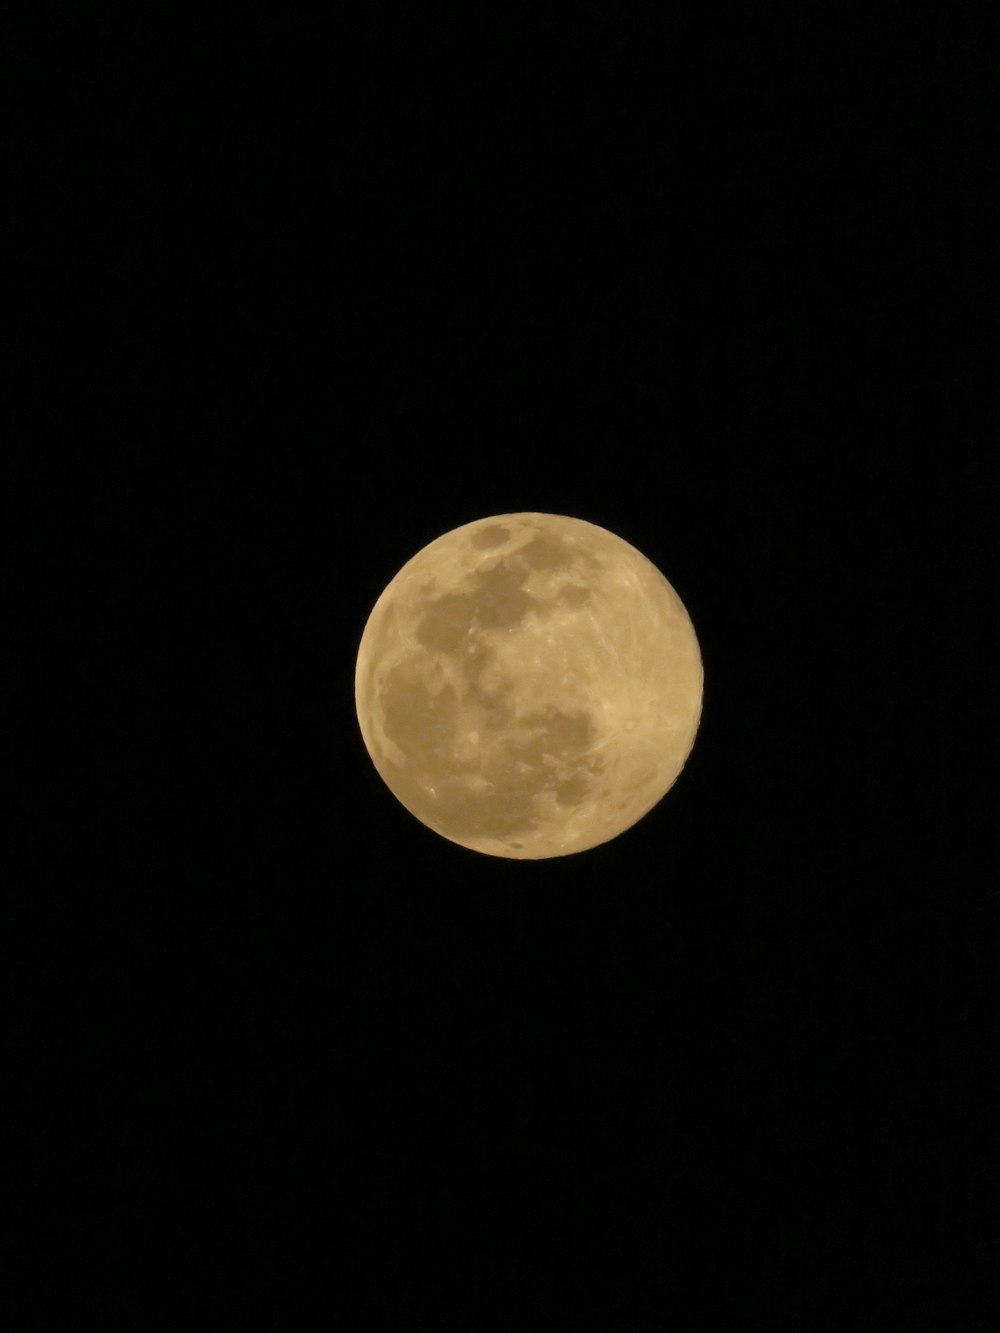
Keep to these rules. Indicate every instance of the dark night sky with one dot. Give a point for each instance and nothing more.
(301, 291)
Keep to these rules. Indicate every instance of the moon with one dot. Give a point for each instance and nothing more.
(529, 685)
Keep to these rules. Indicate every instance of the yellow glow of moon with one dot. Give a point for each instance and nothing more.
(529, 685)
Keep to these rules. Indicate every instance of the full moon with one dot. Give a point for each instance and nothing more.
(529, 685)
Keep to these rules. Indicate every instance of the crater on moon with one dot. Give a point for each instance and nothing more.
(503, 678)
(487, 538)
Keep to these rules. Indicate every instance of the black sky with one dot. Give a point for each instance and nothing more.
(300, 291)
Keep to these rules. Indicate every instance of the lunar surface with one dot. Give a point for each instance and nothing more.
(529, 685)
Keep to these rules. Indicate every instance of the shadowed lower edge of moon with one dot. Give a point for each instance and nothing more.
(516, 765)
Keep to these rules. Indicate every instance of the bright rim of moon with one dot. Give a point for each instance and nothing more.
(529, 685)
